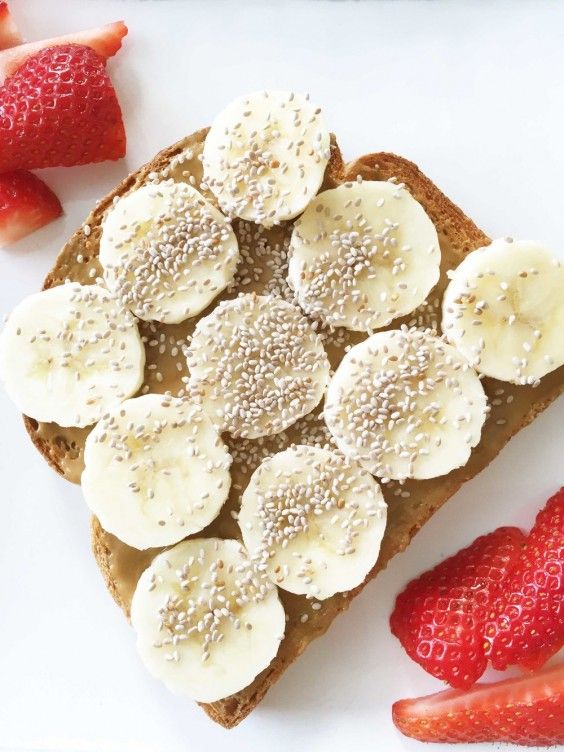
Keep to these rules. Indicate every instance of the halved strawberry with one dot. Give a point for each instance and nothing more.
(26, 204)
(527, 710)
(529, 626)
(440, 617)
(60, 108)
(9, 34)
(105, 40)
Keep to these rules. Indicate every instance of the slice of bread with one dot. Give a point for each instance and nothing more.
(410, 505)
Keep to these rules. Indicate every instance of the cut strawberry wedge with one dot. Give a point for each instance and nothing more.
(441, 616)
(529, 625)
(105, 40)
(527, 710)
(9, 34)
(26, 204)
(60, 109)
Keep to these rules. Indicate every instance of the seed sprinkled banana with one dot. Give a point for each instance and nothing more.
(504, 310)
(316, 520)
(156, 470)
(69, 353)
(167, 252)
(362, 255)
(256, 365)
(405, 404)
(265, 156)
(207, 621)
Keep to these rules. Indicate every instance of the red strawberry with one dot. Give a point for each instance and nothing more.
(529, 626)
(527, 710)
(105, 40)
(26, 204)
(440, 617)
(9, 34)
(60, 108)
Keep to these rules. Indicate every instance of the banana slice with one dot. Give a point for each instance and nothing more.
(362, 255)
(69, 353)
(504, 310)
(256, 365)
(156, 471)
(405, 405)
(315, 519)
(265, 156)
(167, 252)
(207, 621)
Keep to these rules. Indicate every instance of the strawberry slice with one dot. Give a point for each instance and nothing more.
(529, 627)
(60, 108)
(526, 710)
(9, 34)
(105, 40)
(26, 204)
(440, 617)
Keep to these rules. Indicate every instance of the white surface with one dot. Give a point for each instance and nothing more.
(474, 93)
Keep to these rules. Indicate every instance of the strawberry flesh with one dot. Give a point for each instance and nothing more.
(9, 34)
(526, 711)
(60, 109)
(26, 204)
(529, 626)
(105, 40)
(440, 617)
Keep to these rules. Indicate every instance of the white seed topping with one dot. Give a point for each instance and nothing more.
(70, 352)
(393, 398)
(503, 310)
(313, 520)
(167, 252)
(363, 254)
(203, 608)
(265, 156)
(257, 365)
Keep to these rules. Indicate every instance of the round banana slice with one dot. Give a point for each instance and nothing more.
(167, 252)
(362, 255)
(207, 621)
(70, 353)
(256, 365)
(315, 519)
(156, 470)
(504, 310)
(265, 156)
(405, 405)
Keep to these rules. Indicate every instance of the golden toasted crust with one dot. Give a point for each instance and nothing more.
(458, 235)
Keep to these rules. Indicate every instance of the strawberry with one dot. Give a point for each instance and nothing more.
(26, 204)
(529, 623)
(60, 108)
(105, 40)
(526, 710)
(440, 617)
(9, 34)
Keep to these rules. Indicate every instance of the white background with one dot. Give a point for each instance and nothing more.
(474, 93)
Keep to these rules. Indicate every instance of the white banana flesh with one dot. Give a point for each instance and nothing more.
(504, 310)
(265, 156)
(256, 365)
(70, 353)
(167, 252)
(315, 519)
(156, 470)
(362, 255)
(207, 621)
(405, 404)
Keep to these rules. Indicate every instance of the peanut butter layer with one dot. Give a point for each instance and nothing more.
(263, 269)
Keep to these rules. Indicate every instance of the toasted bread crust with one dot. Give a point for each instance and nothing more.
(457, 233)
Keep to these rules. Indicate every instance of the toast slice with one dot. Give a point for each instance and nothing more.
(410, 505)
